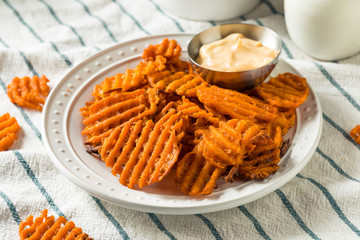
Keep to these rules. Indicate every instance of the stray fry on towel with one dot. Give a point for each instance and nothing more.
(355, 134)
(46, 227)
(8, 129)
(29, 92)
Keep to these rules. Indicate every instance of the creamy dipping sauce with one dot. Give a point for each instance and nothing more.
(235, 53)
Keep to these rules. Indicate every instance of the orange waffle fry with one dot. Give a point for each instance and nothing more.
(195, 131)
(164, 107)
(111, 99)
(115, 110)
(156, 77)
(290, 117)
(355, 134)
(280, 126)
(46, 227)
(142, 121)
(274, 131)
(116, 148)
(29, 92)
(235, 95)
(222, 146)
(181, 83)
(216, 114)
(260, 166)
(162, 150)
(233, 141)
(143, 153)
(194, 175)
(235, 104)
(8, 129)
(191, 109)
(286, 90)
(132, 78)
(259, 163)
(85, 110)
(171, 50)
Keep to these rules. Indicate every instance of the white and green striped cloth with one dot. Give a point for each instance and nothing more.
(49, 37)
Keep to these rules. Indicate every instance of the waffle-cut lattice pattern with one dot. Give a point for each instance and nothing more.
(227, 144)
(193, 110)
(142, 152)
(8, 129)
(179, 83)
(235, 104)
(132, 78)
(46, 227)
(116, 109)
(259, 163)
(162, 114)
(286, 90)
(170, 49)
(194, 175)
(29, 92)
(260, 166)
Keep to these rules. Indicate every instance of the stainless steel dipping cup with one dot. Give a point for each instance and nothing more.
(242, 79)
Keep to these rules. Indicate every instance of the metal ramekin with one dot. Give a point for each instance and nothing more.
(235, 80)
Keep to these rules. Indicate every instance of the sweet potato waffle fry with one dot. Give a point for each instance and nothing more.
(222, 146)
(101, 117)
(132, 78)
(194, 175)
(143, 152)
(162, 115)
(355, 134)
(260, 161)
(29, 92)
(171, 50)
(235, 104)
(191, 109)
(46, 227)
(178, 83)
(8, 129)
(286, 91)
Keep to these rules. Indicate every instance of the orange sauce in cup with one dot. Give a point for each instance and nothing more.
(235, 53)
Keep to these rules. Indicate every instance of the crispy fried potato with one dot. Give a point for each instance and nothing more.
(46, 227)
(193, 110)
(280, 126)
(103, 116)
(145, 119)
(165, 153)
(29, 92)
(171, 50)
(286, 91)
(260, 145)
(195, 175)
(227, 144)
(143, 153)
(355, 134)
(8, 129)
(180, 83)
(132, 79)
(261, 166)
(235, 104)
(262, 162)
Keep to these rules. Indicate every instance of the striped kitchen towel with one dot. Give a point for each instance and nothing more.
(50, 37)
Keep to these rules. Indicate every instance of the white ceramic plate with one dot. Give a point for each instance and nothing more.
(62, 124)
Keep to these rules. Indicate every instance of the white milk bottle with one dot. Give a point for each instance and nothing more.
(324, 29)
